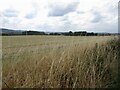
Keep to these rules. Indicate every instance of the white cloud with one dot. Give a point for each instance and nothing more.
(90, 15)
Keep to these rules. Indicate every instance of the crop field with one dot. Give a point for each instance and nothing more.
(60, 61)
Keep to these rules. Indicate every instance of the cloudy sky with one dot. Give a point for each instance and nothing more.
(60, 15)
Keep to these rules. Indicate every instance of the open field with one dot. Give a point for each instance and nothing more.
(60, 61)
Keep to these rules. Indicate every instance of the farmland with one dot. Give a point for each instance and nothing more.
(59, 61)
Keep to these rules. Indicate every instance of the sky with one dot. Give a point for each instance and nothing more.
(60, 15)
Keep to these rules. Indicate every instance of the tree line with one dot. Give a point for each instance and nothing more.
(70, 33)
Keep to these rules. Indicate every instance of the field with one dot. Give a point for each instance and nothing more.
(59, 61)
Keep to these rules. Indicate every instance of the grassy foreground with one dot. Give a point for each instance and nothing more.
(60, 62)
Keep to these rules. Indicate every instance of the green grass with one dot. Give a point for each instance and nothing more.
(60, 61)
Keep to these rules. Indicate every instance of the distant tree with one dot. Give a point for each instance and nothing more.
(33, 33)
(80, 33)
(70, 33)
(54, 34)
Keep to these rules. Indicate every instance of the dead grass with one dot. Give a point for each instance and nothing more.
(59, 62)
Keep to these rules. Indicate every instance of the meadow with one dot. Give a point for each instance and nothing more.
(60, 61)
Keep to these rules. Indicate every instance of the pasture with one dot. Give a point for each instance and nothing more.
(59, 61)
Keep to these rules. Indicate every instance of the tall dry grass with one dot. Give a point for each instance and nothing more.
(63, 65)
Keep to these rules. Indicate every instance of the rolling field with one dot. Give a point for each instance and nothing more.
(59, 61)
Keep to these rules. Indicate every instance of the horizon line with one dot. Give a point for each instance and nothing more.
(54, 31)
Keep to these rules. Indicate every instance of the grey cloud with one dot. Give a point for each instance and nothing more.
(10, 13)
(97, 17)
(31, 15)
(106, 27)
(59, 10)
(80, 12)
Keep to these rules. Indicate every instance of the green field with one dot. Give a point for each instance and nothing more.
(59, 61)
